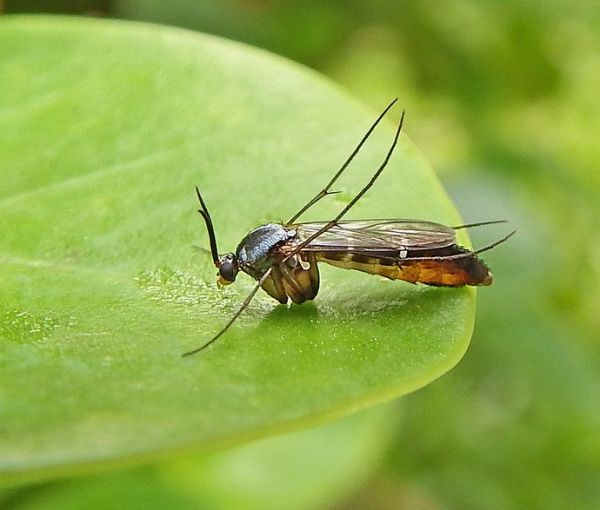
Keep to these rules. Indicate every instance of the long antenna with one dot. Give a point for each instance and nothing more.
(325, 191)
(209, 226)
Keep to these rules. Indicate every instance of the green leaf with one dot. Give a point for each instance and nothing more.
(313, 468)
(105, 129)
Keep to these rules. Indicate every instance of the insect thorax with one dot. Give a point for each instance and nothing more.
(254, 251)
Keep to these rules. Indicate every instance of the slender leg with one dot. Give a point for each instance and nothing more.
(471, 225)
(360, 194)
(235, 316)
(325, 191)
(468, 253)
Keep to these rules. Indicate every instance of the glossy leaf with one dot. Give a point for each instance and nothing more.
(105, 128)
(314, 468)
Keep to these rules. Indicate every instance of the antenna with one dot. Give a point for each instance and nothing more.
(209, 226)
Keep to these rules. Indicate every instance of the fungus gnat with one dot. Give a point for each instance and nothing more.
(283, 257)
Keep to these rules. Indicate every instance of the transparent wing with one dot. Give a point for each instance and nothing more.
(377, 235)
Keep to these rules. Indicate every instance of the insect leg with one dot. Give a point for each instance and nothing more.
(360, 194)
(481, 223)
(235, 316)
(300, 284)
(325, 191)
(468, 253)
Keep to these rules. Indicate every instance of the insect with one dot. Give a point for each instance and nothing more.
(283, 257)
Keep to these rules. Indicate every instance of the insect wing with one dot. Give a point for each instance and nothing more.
(378, 236)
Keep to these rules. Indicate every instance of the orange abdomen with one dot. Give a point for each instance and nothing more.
(451, 272)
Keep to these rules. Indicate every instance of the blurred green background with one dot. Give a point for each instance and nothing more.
(502, 98)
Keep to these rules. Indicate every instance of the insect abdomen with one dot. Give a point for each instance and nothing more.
(453, 272)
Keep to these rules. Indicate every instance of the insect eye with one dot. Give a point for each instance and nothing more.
(227, 271)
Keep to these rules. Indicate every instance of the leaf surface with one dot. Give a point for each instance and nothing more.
(105, 128)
